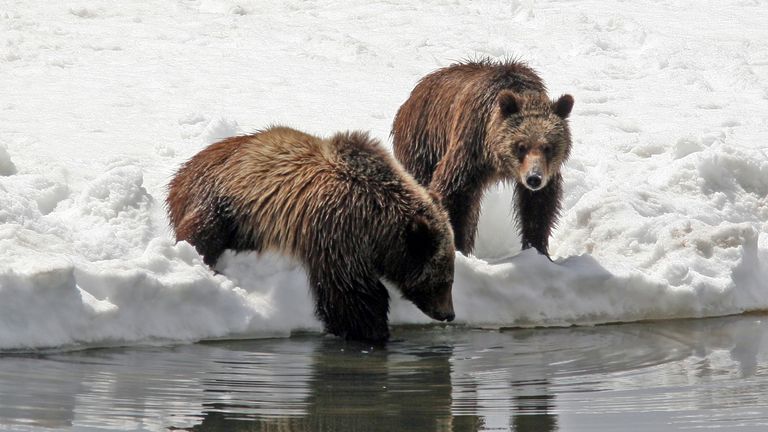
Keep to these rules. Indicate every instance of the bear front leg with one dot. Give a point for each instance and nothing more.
(537, 213)
(460, 184)
(210, 234)
(463, 212)
(354, 308)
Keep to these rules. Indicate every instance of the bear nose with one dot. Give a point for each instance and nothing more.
(533, 181)
(443, 316)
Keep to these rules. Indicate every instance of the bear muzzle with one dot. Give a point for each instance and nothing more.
(533, 181)
(444, 316)
(533, 175)
(443, 311)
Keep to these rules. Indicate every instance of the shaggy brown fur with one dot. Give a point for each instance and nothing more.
(470, 125)
(343, 206)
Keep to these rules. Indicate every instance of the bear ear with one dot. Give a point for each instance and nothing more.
(420, 239)
(563, 106)
(508, 103)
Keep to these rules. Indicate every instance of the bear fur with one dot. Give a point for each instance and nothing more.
(342, 206)
(473, 124)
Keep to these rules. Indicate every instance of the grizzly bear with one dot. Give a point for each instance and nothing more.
(342, 206)
(472, 124)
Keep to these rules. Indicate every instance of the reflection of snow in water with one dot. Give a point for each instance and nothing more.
(569, 376)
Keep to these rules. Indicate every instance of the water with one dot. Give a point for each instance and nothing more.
(662, 376)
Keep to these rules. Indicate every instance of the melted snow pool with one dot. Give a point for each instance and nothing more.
(661, 376)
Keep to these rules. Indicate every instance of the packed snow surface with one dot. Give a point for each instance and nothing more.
(665, 213)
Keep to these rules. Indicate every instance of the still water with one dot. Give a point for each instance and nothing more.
(661, 376)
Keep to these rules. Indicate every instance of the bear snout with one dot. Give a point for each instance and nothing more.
(444, 312)
(533, 181)
(533, 171)
(442, 315)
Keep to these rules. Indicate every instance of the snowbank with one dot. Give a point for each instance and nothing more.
(6, 165)
(666, 204)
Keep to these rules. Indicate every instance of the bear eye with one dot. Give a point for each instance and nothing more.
(521, 150)
(548, 150)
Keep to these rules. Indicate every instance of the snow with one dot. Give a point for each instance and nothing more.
(665, 211)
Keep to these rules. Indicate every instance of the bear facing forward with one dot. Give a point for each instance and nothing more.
(342, 206)
(470, 125)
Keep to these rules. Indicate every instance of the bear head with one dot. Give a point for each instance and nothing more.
(529, 136)
(421, 264)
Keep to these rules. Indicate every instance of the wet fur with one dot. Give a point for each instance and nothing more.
(343, 206)
(473, 124)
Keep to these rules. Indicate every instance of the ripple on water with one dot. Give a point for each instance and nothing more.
(670, 375)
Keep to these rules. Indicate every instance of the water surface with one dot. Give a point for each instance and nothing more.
(661, 376)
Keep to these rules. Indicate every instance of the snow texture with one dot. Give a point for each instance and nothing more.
(666, 194)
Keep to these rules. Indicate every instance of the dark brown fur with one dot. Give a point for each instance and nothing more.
(470, 125)
(343, 206)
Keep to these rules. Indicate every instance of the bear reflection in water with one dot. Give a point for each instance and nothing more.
(405, 387)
